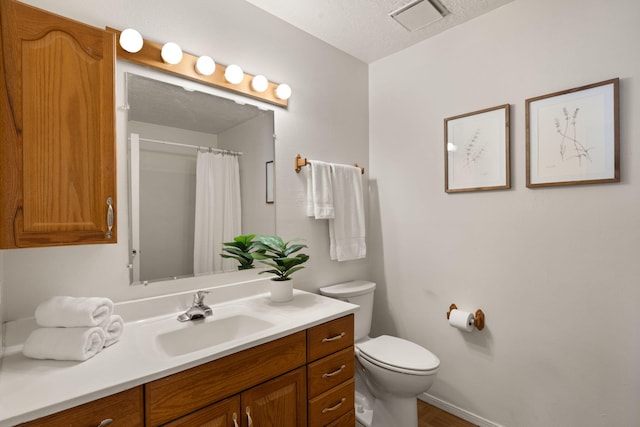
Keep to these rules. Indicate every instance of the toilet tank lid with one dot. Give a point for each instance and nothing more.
(348, 289)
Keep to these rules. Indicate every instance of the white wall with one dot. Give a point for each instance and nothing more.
(554, 269)
(327, 118)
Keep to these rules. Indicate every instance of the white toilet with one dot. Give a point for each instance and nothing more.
(391, 372)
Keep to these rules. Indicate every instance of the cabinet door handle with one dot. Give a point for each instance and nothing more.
(109, 234)
(235, 419)
(249, 420)
(334, 407)
(105, 422)
(337, 337)
(334, 373)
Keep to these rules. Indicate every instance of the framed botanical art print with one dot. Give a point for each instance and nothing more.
(573, 136)
(476, 149)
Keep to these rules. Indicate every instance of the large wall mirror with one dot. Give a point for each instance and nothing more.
(199, 167)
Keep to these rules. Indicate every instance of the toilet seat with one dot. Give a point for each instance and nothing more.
(399, 355)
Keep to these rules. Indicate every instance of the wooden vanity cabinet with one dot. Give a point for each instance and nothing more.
(270, 380)
(302, 379)
(330, 374)
(124, 409)
(57, 140)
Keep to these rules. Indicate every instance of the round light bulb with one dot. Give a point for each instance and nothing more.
(131, 40)
(259, 83)
(283, 91)
(171, 53)
(205, 65)
(234, 74)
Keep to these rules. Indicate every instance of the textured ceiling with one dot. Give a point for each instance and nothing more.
(363, 28)
(160, 103)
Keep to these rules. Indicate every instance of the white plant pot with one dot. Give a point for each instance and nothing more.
(281, 291)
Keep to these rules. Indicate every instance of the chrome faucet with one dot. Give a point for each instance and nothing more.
(198, 310)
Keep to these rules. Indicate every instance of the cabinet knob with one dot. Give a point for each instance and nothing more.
(235, 419)
(105, 422)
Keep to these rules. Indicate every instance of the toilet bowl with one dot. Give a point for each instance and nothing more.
(391, 372)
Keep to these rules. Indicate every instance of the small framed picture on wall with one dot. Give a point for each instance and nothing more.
(476, 150)
(572, 136)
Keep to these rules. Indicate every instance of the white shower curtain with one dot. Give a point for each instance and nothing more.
(218, 211)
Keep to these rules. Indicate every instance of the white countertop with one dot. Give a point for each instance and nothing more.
(30, 388)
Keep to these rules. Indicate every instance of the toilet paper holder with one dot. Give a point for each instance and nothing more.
(478, 317)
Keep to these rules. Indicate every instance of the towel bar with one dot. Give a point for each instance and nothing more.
(302, 161)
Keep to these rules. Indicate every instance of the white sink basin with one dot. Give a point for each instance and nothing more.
(176, 338)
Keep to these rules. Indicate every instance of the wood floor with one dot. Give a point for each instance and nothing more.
(430, 416)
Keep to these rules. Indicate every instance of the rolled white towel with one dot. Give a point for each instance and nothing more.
(64, 343)
(112, 329)
(71, 312)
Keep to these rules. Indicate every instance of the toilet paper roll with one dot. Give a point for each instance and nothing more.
(462, 320)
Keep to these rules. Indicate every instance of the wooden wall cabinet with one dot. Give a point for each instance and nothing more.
(57, 141)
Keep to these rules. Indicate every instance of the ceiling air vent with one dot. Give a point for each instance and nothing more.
(420, 13)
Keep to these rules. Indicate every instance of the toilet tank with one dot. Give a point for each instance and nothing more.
(359, 292)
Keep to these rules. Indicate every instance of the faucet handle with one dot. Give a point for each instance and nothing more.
(198, 297)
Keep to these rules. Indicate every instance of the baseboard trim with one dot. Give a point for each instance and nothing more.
(457, 411)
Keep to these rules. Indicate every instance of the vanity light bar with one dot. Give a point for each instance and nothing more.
(150, 55)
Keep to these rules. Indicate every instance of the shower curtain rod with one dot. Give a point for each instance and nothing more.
(197, 147)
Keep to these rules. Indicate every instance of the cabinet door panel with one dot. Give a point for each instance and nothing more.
(58, 146)
(277, 403)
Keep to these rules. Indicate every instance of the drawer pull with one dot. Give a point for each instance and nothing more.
(235, 419)
(337, 337)
(334, 407)
(334, 373)
(249, 420)
(105, 422)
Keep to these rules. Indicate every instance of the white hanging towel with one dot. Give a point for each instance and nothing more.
(347, 230)
(319, 190)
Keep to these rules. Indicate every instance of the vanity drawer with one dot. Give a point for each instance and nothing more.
(329, 337)
(331, 405)
(330, 371)
(124, 408)
(347, 420)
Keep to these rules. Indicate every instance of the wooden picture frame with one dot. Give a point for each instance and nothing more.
(269, 181)
(573, 136)
(476, 149)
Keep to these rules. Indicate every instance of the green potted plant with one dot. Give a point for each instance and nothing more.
(278, 254)
(240, 249)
